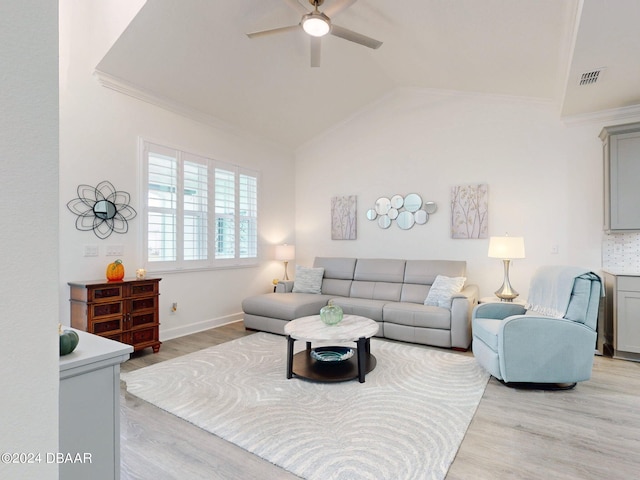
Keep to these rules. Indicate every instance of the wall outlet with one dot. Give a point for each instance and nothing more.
(91, 250)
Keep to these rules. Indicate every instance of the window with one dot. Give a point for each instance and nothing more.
(200, 213)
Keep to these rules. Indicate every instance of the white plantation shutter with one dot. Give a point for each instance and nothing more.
(225, 188)
(195, 208)
(200, 213)
(162, 180)
(248, 215)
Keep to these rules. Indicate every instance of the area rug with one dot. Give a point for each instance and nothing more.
(405, 422)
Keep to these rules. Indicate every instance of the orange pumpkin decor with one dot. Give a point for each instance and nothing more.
(115, 271)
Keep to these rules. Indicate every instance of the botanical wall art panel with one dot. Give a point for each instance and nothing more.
(469, 211)
(343, 218)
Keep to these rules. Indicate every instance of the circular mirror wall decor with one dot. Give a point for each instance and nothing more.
(102, 209)
(421, 217)
(430, 207)
(405, 220)
(397, 202)
(383, 204)
(407, 211)
(412, 202)
(384, 221)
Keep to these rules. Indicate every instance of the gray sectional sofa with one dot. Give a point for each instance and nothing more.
(391, 292)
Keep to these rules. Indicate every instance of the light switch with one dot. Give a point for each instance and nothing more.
(115, 250)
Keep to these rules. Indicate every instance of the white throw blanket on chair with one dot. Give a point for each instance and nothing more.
(550, 290)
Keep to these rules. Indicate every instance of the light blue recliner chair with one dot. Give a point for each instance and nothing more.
(550, 340)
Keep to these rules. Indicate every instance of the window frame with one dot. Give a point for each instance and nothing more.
(212, 262)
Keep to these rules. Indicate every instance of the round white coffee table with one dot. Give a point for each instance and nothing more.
(352, 328)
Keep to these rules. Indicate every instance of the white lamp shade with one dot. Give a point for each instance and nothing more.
(506, 248)
(285, 252)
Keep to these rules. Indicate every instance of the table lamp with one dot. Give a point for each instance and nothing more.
(285, 253)
(507, 248)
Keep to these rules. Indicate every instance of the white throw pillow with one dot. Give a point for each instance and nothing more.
(443, 289)
(308, 280)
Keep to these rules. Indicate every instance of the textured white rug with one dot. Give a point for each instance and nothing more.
(405, 422)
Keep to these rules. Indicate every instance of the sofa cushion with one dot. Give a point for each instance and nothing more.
(486, 329)
(424, 272)
(379, 270)
(339, 268)
(308, 280)
(335, 286)
(443, 289)
(360, 306)
(376, 290)
(416, 315)
(285, 306)
(414, 293)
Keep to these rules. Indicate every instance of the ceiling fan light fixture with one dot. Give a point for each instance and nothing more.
(316, 24)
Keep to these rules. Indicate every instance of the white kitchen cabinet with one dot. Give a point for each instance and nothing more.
(623, 316)
(621, 155)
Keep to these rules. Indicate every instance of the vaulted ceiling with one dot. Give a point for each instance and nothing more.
(194, 56)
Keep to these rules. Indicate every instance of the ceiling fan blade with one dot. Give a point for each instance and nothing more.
(355, 37)
(337, 6)
(315, 51)
(264, 33)
(296, 6)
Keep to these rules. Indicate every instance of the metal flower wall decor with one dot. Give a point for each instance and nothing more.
(102, 209)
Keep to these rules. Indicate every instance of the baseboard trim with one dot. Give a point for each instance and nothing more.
(183, 330)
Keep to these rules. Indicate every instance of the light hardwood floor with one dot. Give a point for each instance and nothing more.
(590, 432)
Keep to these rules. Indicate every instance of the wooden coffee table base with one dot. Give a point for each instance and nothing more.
(302, 365)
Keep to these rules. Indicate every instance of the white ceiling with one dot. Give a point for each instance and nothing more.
(195, 56)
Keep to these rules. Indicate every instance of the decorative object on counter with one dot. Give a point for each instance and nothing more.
(331, 314)
(343, 218)
(285, 253)
(68, 340)
(406, 211)
(470, 211)
(506, 248)
(115, 271)
(102, 209)
(141, 273)
(332, 354)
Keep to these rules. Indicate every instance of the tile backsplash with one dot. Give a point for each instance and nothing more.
(621, 252)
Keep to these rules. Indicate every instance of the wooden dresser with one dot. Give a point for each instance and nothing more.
(125, 311)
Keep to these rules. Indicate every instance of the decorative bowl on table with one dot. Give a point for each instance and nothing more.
(332, 354)
(331, 314)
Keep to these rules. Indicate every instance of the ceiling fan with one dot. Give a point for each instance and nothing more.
(318, 24)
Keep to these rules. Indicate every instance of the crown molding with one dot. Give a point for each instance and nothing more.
(631, 112)
(127, 88)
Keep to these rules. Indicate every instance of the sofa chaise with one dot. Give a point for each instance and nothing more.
(391, 292)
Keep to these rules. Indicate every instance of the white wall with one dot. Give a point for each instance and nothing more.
(28, 204)
(99, 141)
(544, 181)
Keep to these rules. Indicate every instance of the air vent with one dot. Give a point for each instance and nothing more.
(589, 78)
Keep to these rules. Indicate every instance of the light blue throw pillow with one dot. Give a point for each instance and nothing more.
(308, 280)
(443, 289)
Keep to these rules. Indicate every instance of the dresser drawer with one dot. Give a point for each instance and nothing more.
(141, 304)
(144, 335)
(99, 310)
(106, 293)
(103, 327)
(629, 284)
(144, 288)
(140, 320)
